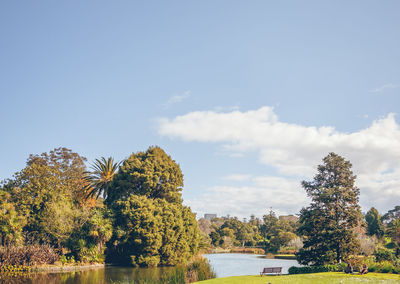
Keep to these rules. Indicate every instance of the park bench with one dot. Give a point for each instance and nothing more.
(270, 270)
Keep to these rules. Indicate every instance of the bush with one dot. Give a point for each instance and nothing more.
(383, 254)
(317, 269)
(373, 268)
(383, 267)
(27, 255)
(199, 270)
(387, 268)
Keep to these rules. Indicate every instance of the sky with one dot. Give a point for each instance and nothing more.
(247, 96)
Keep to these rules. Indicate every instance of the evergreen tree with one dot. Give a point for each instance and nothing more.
(151, 232)
(151, 226)
(327, 225)
(374, 223)
(152, 174)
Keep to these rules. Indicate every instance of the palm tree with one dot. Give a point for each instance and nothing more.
(97, 180)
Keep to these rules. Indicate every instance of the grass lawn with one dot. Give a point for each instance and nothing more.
(326, 277)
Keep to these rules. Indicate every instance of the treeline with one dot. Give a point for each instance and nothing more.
(127, 213)
(331, 230)
(271, 233)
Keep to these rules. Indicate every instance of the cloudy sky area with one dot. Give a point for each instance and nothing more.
(294, 151)
(247, 97)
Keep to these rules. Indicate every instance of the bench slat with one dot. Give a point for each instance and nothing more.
(267, 270)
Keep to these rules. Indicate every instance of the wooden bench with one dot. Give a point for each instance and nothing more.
(270, 270)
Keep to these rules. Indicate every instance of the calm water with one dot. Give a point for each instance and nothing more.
(237, 264)
(229, 264)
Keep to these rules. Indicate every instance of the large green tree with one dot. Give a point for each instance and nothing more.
(151, 226)
(328, 224)
(374, 223)
(45, 203)
(152, 174)
(48, 192)
(276, 232)
(151, 232)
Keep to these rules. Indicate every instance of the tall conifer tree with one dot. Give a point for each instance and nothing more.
(328, 224)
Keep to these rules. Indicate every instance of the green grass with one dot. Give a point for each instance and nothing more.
(326, 277)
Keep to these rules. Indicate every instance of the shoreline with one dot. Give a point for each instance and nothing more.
(67, 268)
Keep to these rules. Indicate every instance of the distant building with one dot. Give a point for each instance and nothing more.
(210, 216)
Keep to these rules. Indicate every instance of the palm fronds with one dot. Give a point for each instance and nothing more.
(102, 173)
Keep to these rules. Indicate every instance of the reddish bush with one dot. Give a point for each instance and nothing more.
(27, 255)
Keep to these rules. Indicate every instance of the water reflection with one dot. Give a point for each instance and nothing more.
(101, 276)
(232, 264)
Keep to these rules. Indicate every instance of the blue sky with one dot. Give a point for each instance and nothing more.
(111, 78)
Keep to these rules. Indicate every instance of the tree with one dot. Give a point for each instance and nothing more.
(88, 243)
(151, 232)
(102, 174)
(11, 222)
(151, 226)
(327, 224)
(48, 192)
(152, 174)
(269, 232)
(47, 196)
(374, 223)
(276, 232)
(394, 233)
(392, 219)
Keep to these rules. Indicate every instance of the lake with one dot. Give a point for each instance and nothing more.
(237, 264)
(228, 264)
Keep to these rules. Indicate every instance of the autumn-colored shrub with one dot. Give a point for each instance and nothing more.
(30, 255)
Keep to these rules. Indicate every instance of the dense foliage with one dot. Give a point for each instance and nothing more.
(55, 201)
(132, 213)
(45, 199)
(151, 226)
(277, 232)
(149, 232)
(317, 269)
(152, 174)
(328, 224)
(270, 234)
(374, 223)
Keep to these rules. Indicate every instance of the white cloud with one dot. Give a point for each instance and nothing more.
(177, 98)
(295, 150)
(283, 195)
(383, 88)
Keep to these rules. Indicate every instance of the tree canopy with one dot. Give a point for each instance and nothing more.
(151, 232)
(327, 225)
(151, 226)
(152, 174)
(374, 223)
